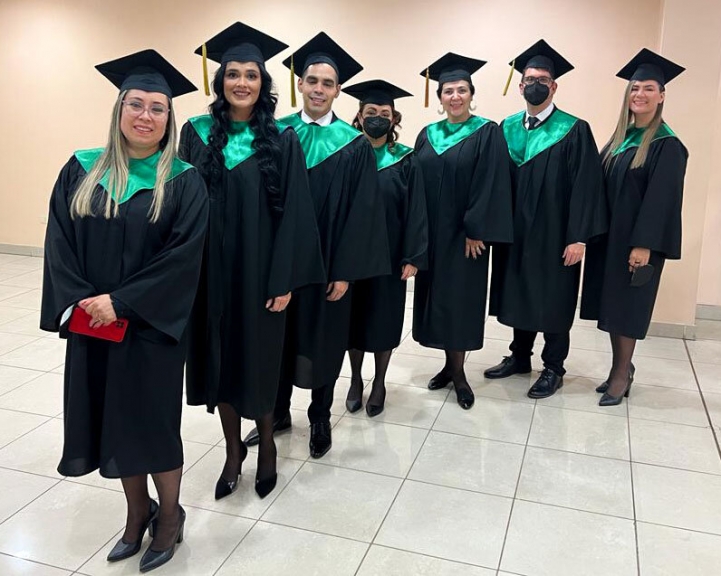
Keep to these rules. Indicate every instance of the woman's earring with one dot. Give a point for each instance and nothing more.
(441, 111)
(472, 107)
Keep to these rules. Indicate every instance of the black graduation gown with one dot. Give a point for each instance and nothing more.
(349, 214)
(558, 200)
(235, 343)
(123, 401)
(379, 303)
(468, 195)
(645, 208)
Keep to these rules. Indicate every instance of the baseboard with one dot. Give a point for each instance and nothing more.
(665, 330)
(708, 312)
(21, 250)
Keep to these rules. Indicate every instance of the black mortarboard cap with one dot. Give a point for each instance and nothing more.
(452, 67)
(542, 56)
(146, 70)
(647, 65)
(241, 43)
(323, 49)
(377, 92)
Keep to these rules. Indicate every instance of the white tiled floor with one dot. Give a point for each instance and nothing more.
(513, 487)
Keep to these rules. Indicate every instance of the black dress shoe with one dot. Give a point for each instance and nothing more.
(509, 366)
(546, 385)
(320, 439)
(439, 381)
(601, 388)
(123, 549)
(279, 425)
(374, 410)
(153, 559)
(465, 397)
(608, 400)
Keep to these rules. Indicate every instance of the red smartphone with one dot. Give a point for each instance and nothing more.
(80, 324)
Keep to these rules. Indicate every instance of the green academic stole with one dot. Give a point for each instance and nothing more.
(524, 145)
(320, 142)
(141, 173)
(635, 135)
(240, 139)
(444, 135)
(386, 158)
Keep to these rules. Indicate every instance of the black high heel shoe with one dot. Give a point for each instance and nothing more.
(465, 396)
(265, 486)
(353, 403)
(123, 549)
(153, 559)
(609, 400)
(439, 381)
(225, 487)
(374, 410)
(601, 388)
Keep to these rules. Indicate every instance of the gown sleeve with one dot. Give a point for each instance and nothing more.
(415, 233)
(162, 293)
(658, 224)
(64, 283)
(488, 216)
(362, 250)
(297, 260)
(587, 217)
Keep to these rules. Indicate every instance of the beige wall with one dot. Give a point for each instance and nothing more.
(52, 101)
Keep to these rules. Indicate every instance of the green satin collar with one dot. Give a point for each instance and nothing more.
(635, 135)
(444, 135)
(141, 173)
(385, 158)
(524, 145)
(320, 142)
(240, 138)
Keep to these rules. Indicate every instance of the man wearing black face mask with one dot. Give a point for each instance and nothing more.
(558, 206)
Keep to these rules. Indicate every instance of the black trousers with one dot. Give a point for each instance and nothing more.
(320, 405)
(555, 349)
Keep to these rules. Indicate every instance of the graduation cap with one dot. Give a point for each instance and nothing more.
(542, 56)
(449, 68)
(238, 43)
(647, 65)
(377, 92)
(321, 49)
(148, 71)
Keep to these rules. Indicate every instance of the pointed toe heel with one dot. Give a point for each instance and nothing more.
(225, 487)
(266, 485)
(153, 559)
(122, 549)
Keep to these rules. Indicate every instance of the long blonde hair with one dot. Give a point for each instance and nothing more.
(115, 160)
(624, 120)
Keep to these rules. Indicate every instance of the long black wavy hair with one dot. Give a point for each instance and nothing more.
(266, 142)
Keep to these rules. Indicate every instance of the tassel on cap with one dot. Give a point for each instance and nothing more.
(292, 82)
(206, 84)
(428, 86)
(510, 76)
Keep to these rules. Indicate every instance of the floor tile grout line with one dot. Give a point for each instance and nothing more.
(31, 501)
(515, 493)
(236, 547)
(703, 399)
(633, 491)
(69, 570)
(49, 419)
(402, 484)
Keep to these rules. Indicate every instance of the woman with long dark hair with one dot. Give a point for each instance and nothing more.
(467, 180)
(645, 164)
(378, 306)
(122, 252)
(262, 244)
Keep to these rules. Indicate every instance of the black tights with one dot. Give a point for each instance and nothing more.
(454, 368)
(136, 493)
(622, 347)
(378, 390)
(236, 451)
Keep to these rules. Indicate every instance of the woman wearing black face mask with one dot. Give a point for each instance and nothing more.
(379, 303)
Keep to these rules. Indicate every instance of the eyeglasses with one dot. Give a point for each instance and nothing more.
(136, 108)
(531, 80)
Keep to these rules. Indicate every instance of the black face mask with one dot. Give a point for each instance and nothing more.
(376, 126)
(536, 93)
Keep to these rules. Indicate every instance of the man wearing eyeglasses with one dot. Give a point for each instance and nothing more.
(558, 206)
